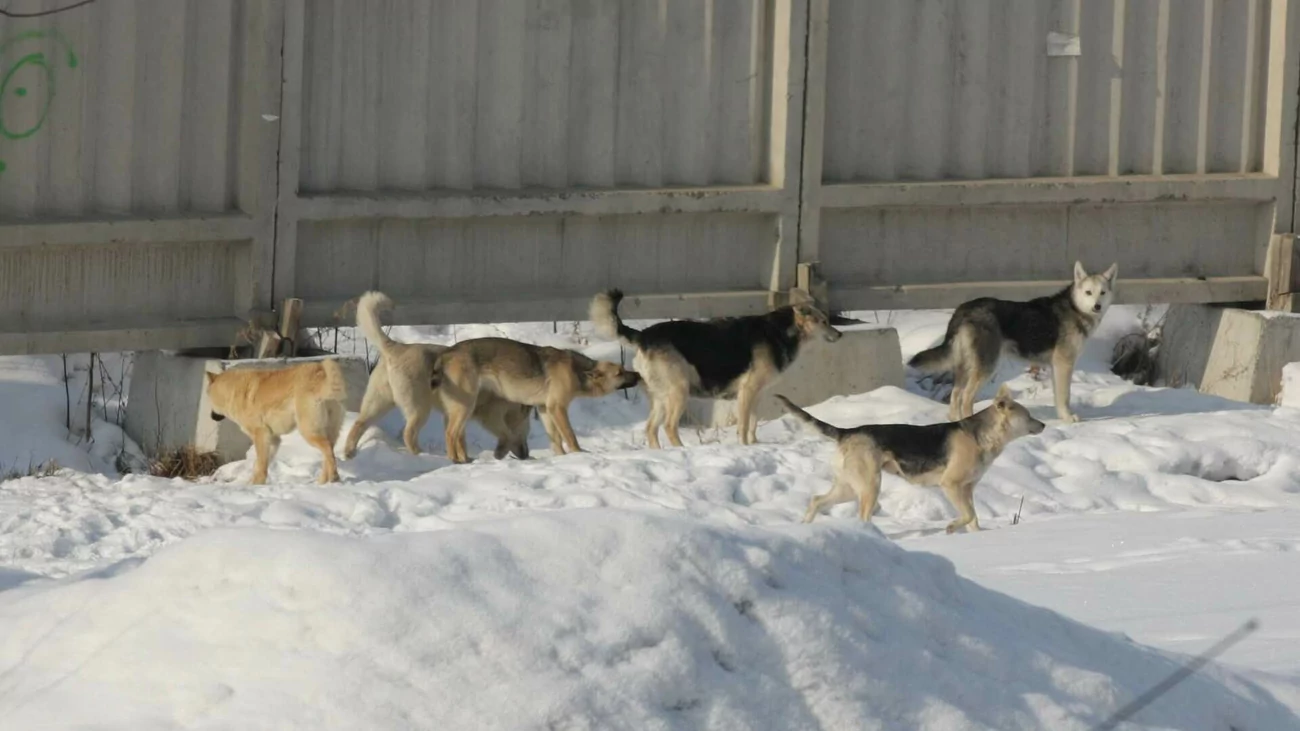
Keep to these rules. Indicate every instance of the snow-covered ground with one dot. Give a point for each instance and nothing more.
(623, 588)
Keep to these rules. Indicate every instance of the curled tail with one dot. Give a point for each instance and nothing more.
(368, 309)
(939, 358)
(829, 430)
(333, 387)
(604, 315)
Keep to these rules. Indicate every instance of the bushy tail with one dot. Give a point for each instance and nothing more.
(368, 309)
(604, 315)
(834, 432)
(939, 358)
(332, 386)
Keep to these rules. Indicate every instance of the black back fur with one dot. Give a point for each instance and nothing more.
(1033, 328)
(916, 449)
(722, 349)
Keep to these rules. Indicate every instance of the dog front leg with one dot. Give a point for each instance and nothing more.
(552, 434)
(1062, 374)
(262, 449)
(560, 412)
(961, 496)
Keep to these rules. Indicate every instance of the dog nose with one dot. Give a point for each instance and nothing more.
(832, 334)
(1039, 427)
(1096, 308)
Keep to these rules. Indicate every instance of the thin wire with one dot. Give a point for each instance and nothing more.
(10, 14)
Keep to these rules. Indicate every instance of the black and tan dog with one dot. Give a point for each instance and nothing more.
(953, 455)
(722, 358)
(533, 375)
(403, 378)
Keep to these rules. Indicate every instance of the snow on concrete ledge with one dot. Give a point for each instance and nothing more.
(574, 619)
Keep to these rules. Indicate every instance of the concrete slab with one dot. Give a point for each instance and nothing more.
(861, 361)
(1233, 353)
(168, 404)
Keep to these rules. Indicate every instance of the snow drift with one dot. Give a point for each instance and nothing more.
(579, 619)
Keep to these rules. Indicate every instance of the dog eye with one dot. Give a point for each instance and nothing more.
(1088, 292)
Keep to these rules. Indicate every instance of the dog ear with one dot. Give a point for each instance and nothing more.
(1112, 273)
(211, 376)
(1004, 393)
(800, 296)
(1080, 273)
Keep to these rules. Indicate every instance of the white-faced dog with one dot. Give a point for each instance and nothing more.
(1047, 330)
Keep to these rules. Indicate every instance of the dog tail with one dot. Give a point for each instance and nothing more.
(939, 358)
(332, 386)
(834, 432)
(604, 314)
(368, 309)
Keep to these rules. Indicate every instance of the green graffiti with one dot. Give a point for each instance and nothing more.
(38, 70)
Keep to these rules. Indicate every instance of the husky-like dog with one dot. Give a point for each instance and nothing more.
(726, 358)
(533, 375)
(267, 404)
(403, 377)
(953, 455)
(1047, 330)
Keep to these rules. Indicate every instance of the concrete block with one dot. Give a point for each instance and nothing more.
(861, 361)
(168, 402)
(1228, 352)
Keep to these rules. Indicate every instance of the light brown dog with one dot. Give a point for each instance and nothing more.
(269, 403)
(403, 377)
(544, 377)
(953, 455)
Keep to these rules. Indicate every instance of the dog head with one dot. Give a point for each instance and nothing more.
(604, 378)
(1093, 293)
(812, 322)
(216, 395)
(1014, 420)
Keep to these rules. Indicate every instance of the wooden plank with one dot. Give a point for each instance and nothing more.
(159, 82)
(1283, 272)
(404, 72)
(451, 118)
(593, 93)
(544, 158)
(258, 130)
(639, 124)
(1136, 188)
(1063, 94)
(789, 34)
(1129, 291)
(284, 252)
(814, 124)
(498, 139)
(1277, 96)
(115, 137)
(320, 313)
(142, 335)
(213, 44)
(445, 204)
(230, 227)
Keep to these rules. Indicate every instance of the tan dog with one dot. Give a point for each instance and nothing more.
(548, 378)
(403, 377)
(953, 455)
(267, 404)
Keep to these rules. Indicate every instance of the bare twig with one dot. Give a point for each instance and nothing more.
(41, 13)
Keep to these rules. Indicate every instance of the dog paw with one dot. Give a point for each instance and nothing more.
(952, 528)
(1070, 418)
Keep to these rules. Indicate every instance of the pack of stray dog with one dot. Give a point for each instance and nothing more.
(501, 383)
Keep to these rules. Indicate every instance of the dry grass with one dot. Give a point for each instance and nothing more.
(187, 462)
(45, 469)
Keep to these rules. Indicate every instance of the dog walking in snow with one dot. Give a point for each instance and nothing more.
(533, 375)
(269, 403)
(953, 455)
(403, 377)
(726, 358)
(1047, 330)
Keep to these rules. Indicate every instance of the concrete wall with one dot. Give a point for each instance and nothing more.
(200, 160)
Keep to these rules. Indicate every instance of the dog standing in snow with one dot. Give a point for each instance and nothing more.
(269, 403)
(1047, 330)
(404, 377)
(722, 358)
(953, 455)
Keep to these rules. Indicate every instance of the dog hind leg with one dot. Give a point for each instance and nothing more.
(377, 401)
(1062, 374)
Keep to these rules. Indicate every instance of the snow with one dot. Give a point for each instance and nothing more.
(1290, 396)
(624, 588)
